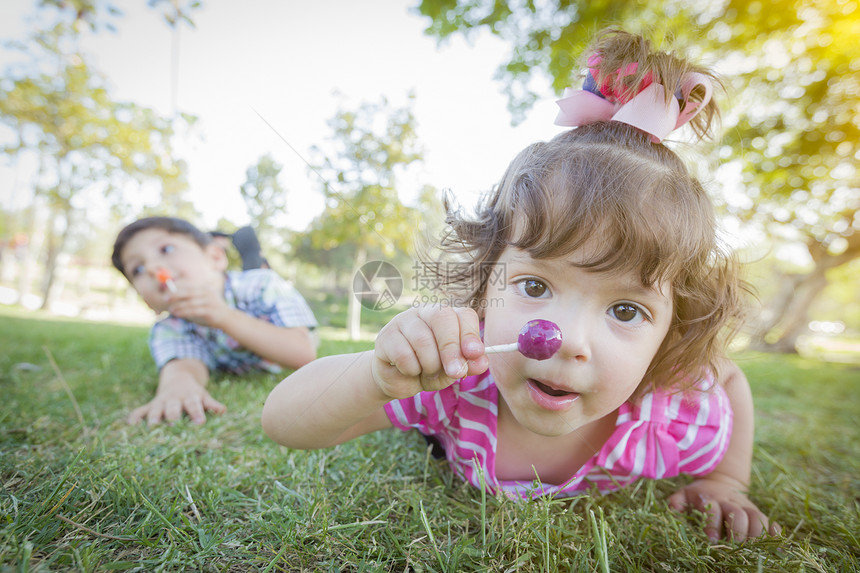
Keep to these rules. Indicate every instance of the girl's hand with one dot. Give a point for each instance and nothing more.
(730, 512)
(427, 348)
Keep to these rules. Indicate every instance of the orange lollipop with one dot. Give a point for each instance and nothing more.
(164, 278)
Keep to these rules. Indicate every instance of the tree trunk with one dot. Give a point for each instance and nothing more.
(789, 309)
(27, 262)
(795, 312)
(54, 249)
(51, 252)
(353, 317)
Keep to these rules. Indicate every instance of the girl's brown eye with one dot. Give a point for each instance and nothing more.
(625, 312)
(534, 288)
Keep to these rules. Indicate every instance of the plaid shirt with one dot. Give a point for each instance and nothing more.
(263, 294)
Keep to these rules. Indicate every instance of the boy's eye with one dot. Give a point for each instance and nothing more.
(167, 249)
(627, 312)
(135, 271)
(533, 288)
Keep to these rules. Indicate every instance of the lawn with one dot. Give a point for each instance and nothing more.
(82, 491)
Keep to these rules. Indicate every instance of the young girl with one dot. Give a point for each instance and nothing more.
(603, 231)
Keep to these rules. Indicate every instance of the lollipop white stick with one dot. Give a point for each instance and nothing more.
(495, 349)
(165, 279)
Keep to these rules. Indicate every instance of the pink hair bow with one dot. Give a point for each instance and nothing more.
(646, 111)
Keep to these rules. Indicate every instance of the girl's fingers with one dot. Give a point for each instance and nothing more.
(774, 528)
(760, 525)
(398, 341)
(471, 345)
(738, 523)
(714, 520)
(430, 345)
(445, 325)
(678, 500)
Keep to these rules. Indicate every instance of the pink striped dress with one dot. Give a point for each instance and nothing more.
(660, 436)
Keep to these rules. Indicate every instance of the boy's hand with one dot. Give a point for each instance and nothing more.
(730, 512)
(189, 398)
(427, 348)
(181, 389)
(200, 304)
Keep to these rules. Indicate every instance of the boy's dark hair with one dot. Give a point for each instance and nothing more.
(172, 225)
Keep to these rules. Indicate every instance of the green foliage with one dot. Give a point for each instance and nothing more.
(89, 147)
(363, 213)
(82, 491)
(97, 14)
(797, 131)
(175, 12)
(371, 145)
(790, 166)
(93, 14)
(61, 110)
(266, 200)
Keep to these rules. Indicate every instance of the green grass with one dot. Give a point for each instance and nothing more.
(82, 491)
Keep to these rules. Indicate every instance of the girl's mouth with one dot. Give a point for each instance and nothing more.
(548, 397)
(550, 390)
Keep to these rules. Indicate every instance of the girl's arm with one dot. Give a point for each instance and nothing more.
(329, 401)
(722, 494)
(337, 398)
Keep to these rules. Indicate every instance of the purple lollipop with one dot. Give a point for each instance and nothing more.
(539, 339)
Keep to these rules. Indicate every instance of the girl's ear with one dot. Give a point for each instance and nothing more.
(218, 256)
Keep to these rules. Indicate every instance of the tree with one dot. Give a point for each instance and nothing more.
(792, 131)
(90, 13)
(175, 13)
(88, 146)
(96, 15)
(795, 143)
(372, 144)
(265, 199)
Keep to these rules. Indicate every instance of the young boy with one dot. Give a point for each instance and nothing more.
(234, 321)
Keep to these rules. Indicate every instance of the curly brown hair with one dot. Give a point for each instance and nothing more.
(653, 217)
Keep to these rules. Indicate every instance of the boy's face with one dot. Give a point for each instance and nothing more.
(611, 326)
(187, 263)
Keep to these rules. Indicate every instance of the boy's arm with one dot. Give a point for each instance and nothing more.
(181, 389)
(290, 347)
(722, 494)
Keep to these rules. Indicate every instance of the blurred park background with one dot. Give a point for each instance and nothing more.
(334, 129)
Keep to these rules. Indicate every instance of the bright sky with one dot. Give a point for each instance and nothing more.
(284, 59)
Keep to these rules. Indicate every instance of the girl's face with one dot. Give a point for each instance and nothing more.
(187, 262)
(611, 326)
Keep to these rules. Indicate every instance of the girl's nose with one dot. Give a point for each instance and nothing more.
(575, 339)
